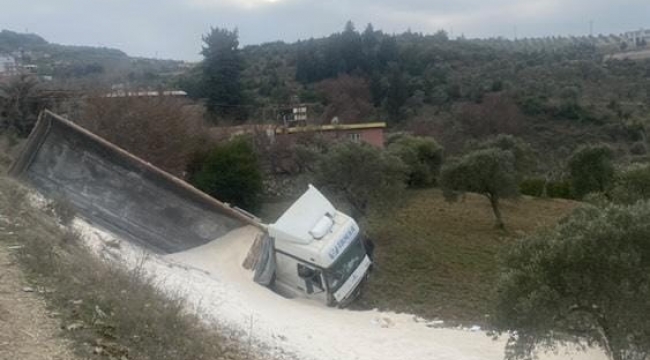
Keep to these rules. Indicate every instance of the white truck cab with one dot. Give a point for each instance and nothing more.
(319, 253)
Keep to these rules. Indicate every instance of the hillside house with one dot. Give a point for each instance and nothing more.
(8, 66)
(636, 37)
(371, 133)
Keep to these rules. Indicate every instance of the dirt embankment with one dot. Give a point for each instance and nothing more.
(27, 330)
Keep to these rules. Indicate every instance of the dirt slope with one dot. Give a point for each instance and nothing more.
(27, 330)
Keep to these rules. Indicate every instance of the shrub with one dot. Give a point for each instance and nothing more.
(20, 104)
(230, 172)
(632, 184)
(532, 187)
(422, 155)
(638, 148)
(559, 189)
(591, 169)
(554, 188)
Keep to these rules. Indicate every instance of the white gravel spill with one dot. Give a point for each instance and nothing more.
(212, 280)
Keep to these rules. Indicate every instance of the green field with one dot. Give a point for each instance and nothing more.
(439, 260)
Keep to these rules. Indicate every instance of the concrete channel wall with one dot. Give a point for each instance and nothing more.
(118, 191)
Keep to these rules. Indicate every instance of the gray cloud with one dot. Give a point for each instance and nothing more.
(173, 28)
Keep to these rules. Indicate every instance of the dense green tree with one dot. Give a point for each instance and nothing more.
(591, 169)
(351, 48)
(489, 172)
(586, 281)
(222, 67)
(422, 155)
(388, 50)
(230, 172)
(366, 177)
(370, 48)
(396, 94)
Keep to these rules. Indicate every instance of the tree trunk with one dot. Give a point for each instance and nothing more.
(544, 194)
(494, 201)
(612, 352)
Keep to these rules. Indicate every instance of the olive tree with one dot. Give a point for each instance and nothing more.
(422, 155)
(631, 184)
(363, 175)
(591, 169)
(490, 172)
(586, 281)
(523, 154)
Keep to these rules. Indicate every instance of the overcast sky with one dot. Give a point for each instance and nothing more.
(173, 28)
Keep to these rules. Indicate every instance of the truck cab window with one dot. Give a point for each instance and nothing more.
(312, 277)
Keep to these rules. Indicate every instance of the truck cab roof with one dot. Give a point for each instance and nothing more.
(313, 230)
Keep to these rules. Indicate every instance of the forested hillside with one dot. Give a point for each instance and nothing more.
(554, 92)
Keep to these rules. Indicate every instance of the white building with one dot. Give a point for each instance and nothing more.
(8, 65)
(635, 37)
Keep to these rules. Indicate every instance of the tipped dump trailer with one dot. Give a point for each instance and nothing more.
(312, 250)
(118, 191)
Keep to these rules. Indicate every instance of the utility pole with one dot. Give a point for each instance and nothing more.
(515, 32)
(591, 28)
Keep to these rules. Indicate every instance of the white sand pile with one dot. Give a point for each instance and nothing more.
(214, 283)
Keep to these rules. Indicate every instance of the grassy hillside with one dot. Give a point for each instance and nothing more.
(439, 259)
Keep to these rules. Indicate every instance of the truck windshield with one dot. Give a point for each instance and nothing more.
(345, 265)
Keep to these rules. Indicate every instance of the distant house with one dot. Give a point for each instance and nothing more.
(371, 133)
(166, 93)
(637, 37)
(8, 66)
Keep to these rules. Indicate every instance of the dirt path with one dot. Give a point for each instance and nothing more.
(27, 331)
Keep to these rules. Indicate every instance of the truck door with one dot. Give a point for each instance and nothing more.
(313, 283)
(295, 278)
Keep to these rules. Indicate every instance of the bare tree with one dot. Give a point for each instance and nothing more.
(348, 98)
(20, 104)
(164, 131)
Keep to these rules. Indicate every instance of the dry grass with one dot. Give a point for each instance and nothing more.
(108, 312)
(439, 259)
(27, 331)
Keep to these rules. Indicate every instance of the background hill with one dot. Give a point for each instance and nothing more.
(554, 92)
(84, 65)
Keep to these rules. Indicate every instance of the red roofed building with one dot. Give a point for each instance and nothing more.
(371, 133)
